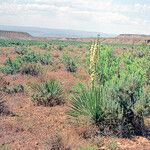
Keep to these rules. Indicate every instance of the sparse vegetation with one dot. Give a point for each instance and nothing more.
(48, 93)
(70, 63)
(13, 89)
(32, 69)
(99, 102)
(11, 66)
(112, 97)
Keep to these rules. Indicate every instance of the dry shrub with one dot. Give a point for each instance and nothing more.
(47, 93)
(32, 69)
(55, 142)
(3, 108)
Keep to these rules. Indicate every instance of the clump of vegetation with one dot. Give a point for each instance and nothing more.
(95, 104)
(25, 63)
(3, 108)
(60, 47)
(32, 69)
(45, 59)
(30, 57)
(11, 66)
(48, 93)
(70, 63)
(13, 89)
(18, 42)
(55, 142)
(21, 51)
(116, 98)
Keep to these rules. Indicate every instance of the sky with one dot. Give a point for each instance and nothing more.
(108, 16)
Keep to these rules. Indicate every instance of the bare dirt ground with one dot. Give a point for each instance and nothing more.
(31, 127)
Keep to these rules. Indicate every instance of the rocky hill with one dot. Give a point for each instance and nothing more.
(15, 35)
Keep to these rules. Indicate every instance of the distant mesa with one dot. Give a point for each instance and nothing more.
(122, 38)
(15, 35)
(133, 36)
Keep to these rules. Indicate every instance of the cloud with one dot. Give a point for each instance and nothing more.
(77, 14)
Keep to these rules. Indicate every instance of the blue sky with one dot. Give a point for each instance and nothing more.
(109, 16)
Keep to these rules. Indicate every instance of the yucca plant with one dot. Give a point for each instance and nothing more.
(48, 93)
(116, 97)
(94, 57)
(95, 104)
(70, 62)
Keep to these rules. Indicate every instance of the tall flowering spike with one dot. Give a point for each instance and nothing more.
(93, 61)
(91, 56)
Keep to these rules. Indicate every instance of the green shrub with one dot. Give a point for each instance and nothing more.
(60, 47)
(45, 59)
(117, 101)
(95, 104)
(116, 105)
(11, 66)
(70, 63)
(48, 93)
(30, 57)
(31, 69)
(21, 63)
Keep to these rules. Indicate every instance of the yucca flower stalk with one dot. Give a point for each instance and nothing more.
(94, 56)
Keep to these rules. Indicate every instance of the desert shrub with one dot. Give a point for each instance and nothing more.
(48, 93)
(95, 104)
(21, 63)
(31, 69)
(21, 51)
(3, 108)
(30, 57)
(70, 63)
(55, 142)
(60, 47)
(107, 64)
(4, 111)
(113, 107)
(16, 42)
(13, 89)
(145, 100)
(44, 46)
(116, 99)
(11, 66)
(130, 96)
(45, 59)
